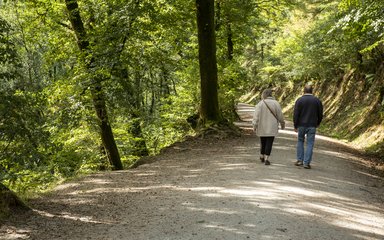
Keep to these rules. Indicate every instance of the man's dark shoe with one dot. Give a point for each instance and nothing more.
(262, 159)
(267, 162)
(299, 163)
(307, 166)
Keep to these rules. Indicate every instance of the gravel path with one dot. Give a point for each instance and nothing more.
(217, 189)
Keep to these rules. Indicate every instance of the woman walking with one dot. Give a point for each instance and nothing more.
(265, 122)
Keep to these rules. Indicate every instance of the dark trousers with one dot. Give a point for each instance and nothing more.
(266, 145)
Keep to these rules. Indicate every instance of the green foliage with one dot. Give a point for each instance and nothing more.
(145, 54)
(142, 50)
(170, 124)
(9, 59)
(362, 23)
(24, 138)
(325, 39)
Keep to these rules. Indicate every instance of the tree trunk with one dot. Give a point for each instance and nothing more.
(229, 42)
(209, 108)
(96, 88)
(139, 145)
(105, 128)
(9, 201)
(218, 16)
(262, 52)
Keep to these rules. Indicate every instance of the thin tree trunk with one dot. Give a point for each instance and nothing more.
(229, 42)
(262, 52)
(140, 146)
(218, 16)
(96, 88)
(209, 108)
(135, 101)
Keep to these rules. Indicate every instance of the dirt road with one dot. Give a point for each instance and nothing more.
(217, 190)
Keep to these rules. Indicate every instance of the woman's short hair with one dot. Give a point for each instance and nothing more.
(266, 93)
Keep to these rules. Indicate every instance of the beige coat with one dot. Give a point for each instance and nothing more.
(264, 123)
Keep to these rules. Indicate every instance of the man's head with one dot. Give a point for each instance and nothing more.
(308, 88)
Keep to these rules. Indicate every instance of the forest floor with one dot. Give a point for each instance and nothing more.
(217, 189)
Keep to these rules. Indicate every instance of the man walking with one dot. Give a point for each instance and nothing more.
(307, 116)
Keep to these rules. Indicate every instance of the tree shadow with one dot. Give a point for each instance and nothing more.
(216, 191)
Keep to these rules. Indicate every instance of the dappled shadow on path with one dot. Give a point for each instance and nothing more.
(217, 190)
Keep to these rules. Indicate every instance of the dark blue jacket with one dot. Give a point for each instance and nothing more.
(308, 111)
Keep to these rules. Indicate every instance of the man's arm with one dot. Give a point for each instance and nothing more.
(320, 113)
(296, 114)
